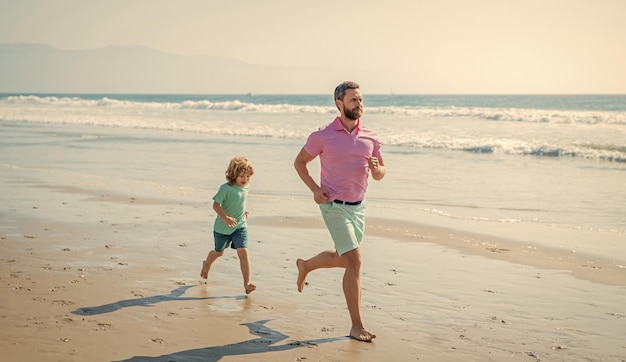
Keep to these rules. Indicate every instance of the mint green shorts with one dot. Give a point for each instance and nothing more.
(346, 224)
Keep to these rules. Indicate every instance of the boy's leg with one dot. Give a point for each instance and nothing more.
(246, 269)
(206, 264)
(221, 243)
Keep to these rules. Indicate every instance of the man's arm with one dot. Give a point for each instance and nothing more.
(300, 164)
(377, 167)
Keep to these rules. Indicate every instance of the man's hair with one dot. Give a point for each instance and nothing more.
(236, 167)
(340, 91)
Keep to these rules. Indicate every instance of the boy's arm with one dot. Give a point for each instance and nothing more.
(229, 221)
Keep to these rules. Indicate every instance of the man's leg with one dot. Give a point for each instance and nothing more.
(352, 292)
(325, 259)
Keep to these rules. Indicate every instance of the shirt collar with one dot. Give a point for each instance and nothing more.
(339, 126)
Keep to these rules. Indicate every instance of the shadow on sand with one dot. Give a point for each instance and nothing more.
(175, 294)
(266, 341)
(267, 338)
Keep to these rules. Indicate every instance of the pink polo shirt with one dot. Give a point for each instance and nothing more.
(343, 158)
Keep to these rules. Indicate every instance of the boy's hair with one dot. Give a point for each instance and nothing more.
(237, 166)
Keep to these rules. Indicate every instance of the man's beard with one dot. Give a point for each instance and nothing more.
(353, 114)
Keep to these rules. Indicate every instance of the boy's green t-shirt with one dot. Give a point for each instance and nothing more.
(233, 201)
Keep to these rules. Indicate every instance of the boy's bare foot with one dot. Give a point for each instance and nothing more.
(301, 274)
(362, 334)
(204, 273)
(250, 288)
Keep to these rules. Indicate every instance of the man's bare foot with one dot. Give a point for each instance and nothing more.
(250, 288)
(301, 274)
(362, 334)
(204, 273)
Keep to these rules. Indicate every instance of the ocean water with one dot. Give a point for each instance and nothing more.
(542, 169)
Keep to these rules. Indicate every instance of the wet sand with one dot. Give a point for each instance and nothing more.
(98, 274)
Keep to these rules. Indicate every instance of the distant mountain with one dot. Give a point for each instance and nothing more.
(41, 68)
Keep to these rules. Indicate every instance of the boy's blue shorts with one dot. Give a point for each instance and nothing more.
(238, 239)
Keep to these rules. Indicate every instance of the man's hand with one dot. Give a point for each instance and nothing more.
(373, 163)
(320, 196)
(377, 167)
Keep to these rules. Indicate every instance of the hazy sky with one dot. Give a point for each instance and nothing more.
(415, 46)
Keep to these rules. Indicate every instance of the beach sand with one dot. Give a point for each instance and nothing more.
(93, 273)
(102, 243)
